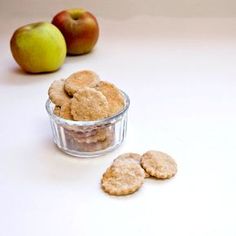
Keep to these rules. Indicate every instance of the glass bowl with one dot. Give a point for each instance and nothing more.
(89, 138)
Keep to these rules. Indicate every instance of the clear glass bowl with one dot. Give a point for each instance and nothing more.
(89, 138)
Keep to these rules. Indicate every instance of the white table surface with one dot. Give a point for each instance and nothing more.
(180, 75)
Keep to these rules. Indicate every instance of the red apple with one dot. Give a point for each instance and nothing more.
(80, 29)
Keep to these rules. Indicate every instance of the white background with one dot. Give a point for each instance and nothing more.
(176, 60)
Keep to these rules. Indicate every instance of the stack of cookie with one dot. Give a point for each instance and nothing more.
(84, 97)
(127, 172)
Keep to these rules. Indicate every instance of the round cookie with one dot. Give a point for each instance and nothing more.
(81, 79)
(88, 104)
(159, 164)
(96, 146)
(99, 135)
(130, 157)
(113, 95)
(80, 134)
(88, 146)
(57, 93)
(122, 178)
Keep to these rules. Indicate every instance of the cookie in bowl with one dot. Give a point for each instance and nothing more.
(88, 116)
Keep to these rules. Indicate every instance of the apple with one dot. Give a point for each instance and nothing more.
(80, 29)
(38, 47)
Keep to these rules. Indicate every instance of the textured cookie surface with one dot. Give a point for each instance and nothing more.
(130, 156)
(113, 95)
(65, 111)
(159, 164)
(122, 178)
(57, 93)
(88, 104)
(81, 79)
(57, 110)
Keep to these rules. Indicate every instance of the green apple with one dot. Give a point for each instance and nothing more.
(80, 29)
(38, 47)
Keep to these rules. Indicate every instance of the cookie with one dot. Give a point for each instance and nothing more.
(114, 97)
(88, 145)
(122, 178)
(159, 164)
(81, 79)
(65, 111)
(130, 157)
(96, 146)
(57, 93)
(79, 133)
(88, 104)
(57, 110)
(99, 134)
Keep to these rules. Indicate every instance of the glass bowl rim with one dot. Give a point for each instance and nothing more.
(110, 119)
